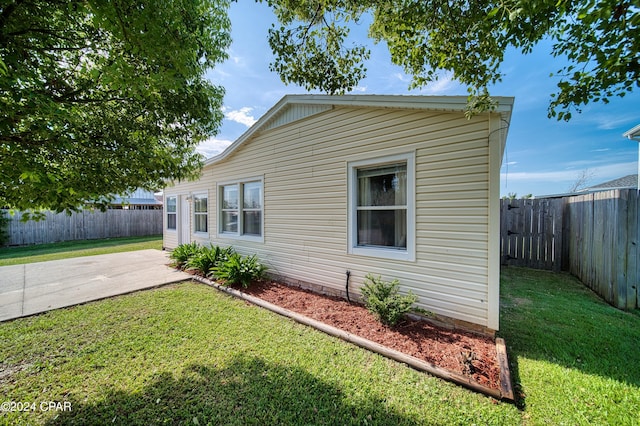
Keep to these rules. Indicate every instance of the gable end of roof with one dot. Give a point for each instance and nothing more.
(295, 107)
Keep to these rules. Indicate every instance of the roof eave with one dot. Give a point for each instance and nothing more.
(633, 133)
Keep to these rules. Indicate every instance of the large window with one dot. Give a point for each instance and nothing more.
(382, 219)
(200, 213)
(241, 213)
(171, 210)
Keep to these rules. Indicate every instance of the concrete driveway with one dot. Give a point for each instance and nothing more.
(39, 287)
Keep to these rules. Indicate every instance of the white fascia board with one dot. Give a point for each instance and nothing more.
(434, 103)
(633, 133)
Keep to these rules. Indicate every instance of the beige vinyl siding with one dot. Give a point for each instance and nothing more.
(295, 112)
(304, 166)
(171, 237)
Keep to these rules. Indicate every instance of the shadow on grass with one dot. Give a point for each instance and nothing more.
(13, 252)
(248, 391)
(554, 317)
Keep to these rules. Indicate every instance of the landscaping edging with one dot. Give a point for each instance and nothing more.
(504, 393)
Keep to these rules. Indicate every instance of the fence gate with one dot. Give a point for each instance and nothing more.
(531, 233)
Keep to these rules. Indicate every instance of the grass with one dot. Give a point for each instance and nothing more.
(68, 249)
(576, 358)
(186, 354)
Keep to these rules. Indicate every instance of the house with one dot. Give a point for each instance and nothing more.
(404, 187)
(634, 135)
(625, 182)
(140, 199)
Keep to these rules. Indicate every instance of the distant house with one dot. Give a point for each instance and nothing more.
(634, 135)
(326, 189)
(139, 199)
(625, 182)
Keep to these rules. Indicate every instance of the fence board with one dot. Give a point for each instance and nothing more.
(546, 235)
(621, 253)
(531, 214)
(558, 229)
(633, 251)
(84, 225)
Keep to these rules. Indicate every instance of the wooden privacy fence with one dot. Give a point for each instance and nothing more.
(602, 242)
(593, 236)
(84, 225)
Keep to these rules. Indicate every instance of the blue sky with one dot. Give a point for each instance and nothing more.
(543, 156)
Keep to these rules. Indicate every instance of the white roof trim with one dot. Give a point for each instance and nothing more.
(433, 103)
(633, 133)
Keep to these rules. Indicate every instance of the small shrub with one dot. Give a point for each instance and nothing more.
(382, 299)
(181, 254)
(239, 270)
(207, 258)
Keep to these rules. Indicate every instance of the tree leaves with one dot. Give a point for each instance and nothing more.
(312, 50)
(100, 98)
(467, 38)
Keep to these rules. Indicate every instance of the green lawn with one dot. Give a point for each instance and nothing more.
(67, 249)
(577, 359)
(187, 354)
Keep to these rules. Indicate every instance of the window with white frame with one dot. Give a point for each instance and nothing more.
(200, 213)
(381, 207)
(251, 223)
(241, 209)
(171, 210)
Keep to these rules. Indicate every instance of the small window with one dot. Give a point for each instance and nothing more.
(171, 212)
(200, 215)
(241, 209)
(381, 212)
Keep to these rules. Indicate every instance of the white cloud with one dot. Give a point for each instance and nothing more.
(217, 75)
(212, 147)
(594, 117)
(402, 77)
(610, 171)
(242, 116)
(540, 176)
(444, 84)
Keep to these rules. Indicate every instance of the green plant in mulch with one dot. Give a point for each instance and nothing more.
(181, 254)
(383, 300)
(239, 270)
(208, 258)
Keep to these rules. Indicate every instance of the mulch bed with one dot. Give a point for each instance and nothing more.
(466, 353)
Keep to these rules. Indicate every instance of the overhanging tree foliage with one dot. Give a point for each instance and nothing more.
(600, 40)
(100, 97)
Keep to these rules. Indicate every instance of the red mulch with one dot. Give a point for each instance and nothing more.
(458, 351)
